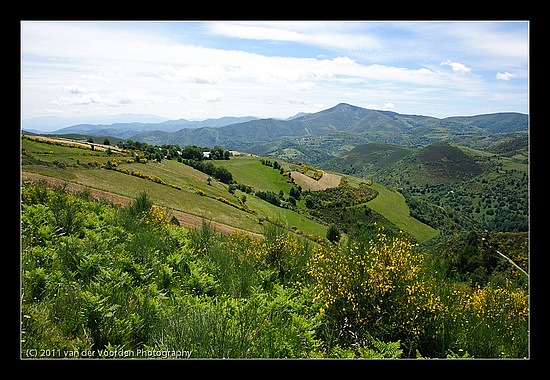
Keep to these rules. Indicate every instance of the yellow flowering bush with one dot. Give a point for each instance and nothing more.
(286, 255)
(156, 215)
(244, 247)
(375, 288)
(491, 321)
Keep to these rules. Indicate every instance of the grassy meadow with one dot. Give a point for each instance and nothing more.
(392, 205)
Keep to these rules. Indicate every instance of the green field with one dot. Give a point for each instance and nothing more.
(391, 205)
(250, 171)
(388, 203)
(188, 190)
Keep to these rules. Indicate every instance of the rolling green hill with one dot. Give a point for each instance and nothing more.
(443, 162)
(393, 206)
(451, 187)
(192, 194)
(400, 166)
(368, 158)
(171, 184)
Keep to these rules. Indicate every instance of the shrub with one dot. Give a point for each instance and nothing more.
(333, 233)
(487, 322)
(374, 288)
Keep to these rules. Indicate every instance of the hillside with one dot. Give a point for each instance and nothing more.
(173, 185)
(507, 122)
(368, 158)
(451, 187)
(434, 164)
(512, 147)
(193, 195)
(443, 162)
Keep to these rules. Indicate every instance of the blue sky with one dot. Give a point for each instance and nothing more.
(200, 70)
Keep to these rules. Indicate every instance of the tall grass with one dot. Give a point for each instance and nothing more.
(250, 313)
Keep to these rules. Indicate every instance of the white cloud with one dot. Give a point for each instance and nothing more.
(78, 100)
(505, 76)
(485, 44)
(202, 74)
(90, 67)
(456, 66)
(118, 98)
(140, 63)
(185, 94)
(491, 41)
(327, 34)
(385, 106)
(255, 31)
(298, 101)
(74, 89)
(301, 86)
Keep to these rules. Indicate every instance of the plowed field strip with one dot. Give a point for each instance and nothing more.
(328, 180)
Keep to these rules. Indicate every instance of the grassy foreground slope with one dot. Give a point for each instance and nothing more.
(105, 281)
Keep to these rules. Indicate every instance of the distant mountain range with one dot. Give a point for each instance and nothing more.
(125, 130)
(328, 132)
(42, 124)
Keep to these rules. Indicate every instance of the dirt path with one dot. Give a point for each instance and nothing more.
(328, 180)
(185, 219)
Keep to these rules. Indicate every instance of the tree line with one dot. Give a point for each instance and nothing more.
(175, 152)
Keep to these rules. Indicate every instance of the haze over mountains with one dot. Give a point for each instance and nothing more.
(121, 124)
(330, 131)
(50, 124)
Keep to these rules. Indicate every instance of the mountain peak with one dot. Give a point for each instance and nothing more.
(344, 107)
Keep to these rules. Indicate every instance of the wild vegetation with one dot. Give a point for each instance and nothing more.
(344, 272)
(116, 281)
